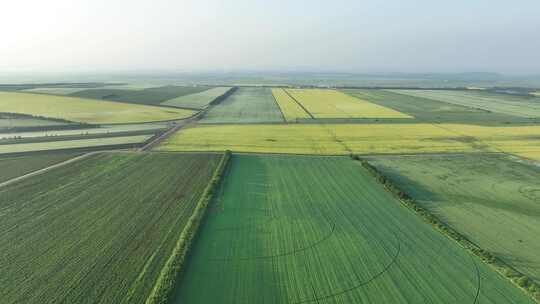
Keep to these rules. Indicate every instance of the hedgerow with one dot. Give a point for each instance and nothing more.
(526, 284)
(167, 280)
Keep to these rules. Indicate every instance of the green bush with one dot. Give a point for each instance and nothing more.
(165, 284)
(522, 281)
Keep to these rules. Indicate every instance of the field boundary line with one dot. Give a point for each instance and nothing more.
(43, 170)
(279, 107)
(299, 104)
(163, 290)
(520, 280)
(188, 121)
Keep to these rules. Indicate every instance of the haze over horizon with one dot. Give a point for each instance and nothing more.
(212, 35)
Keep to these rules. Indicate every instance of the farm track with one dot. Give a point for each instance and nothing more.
(46, 169)
(181, 124)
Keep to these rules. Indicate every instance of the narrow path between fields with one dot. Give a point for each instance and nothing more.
(43, 170)
(181, 124)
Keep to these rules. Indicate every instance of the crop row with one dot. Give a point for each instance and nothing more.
(526, 283)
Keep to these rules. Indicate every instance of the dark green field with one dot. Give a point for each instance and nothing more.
(98, 230)
(11, 167)
(150, 96)
(323, 230)
(492, 200)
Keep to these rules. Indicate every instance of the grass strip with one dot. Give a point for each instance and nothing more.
(163, 289)
(519, 279)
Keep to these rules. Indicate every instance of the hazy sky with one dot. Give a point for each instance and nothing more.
(338, 35)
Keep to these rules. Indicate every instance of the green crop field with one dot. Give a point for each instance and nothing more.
(246, 105)
(430, 110)
(499, 103)
(12, 167)
(148, 96)
(197, 100)
(492, 200)
(86, 110)
(323, 230)
(98, 230)
(123, 141)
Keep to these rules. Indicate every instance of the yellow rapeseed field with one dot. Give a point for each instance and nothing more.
(85, 110)
(290, 108)
(341, 139)
(334, 104)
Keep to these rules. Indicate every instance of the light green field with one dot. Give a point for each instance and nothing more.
(246, 105)
(342, 139)
(498, 103)
(74, 144)
(86, 110)
(493, 201)
(322, 230)
(198, 100)
(335, 104)
(98, 230)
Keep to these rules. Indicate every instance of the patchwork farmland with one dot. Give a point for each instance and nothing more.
(124, 193)
(512, 105)
(148, 96)
(334, 104)
(435, 111)
(85, 110)
(198, 100)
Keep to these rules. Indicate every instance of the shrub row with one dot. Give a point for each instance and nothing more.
(223, 97)
(164, 287)
(515, 276)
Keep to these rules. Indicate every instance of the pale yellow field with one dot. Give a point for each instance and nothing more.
(335, 104)
(291, 110)
(355, 138)
(536, 93)
(86, 110)
(350, 138)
